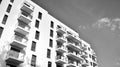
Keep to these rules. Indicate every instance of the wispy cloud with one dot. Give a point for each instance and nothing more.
(118, 62)
(106, 22)
(112, 24)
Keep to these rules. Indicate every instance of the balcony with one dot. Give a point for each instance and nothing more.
(73, 37)
(71, 63)
(61, 39)
(27, 7)
(85, 64)
(25, 17)
(84, 55)
(61, 49)
(74, 55)
(61, 29)
(19, 42)
(22, 30)
(14, 57)
(76, 47)
(60, 59)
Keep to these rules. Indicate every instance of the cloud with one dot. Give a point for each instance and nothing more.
(112, 24)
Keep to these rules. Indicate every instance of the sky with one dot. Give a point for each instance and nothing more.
(97, 22)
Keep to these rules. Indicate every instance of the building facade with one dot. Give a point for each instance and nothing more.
(31, 37)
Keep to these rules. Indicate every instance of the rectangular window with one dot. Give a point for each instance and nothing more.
(33, 46)
(37, 35)
(1, 30)
(33, 60)
(0, 1)
(12, 1)
(5, 19)
(51, 33)
(49, 64)
(52, 24)
(37, 24)
(9, 8)
(48, 53)
(40, 15)
(51, 43)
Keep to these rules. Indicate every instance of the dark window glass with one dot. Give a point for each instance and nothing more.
(91, 63)
(5, 19)
(37, 35)
(33, 60)
(88, 48)
(51, 33)
(48, 53)
(12, 1)
(51, 43)
(40, 15)
(0, 1)
(49, 64)
(52, 24)
(33, 46)
(37, 24)
(9, 8)
(1, 31)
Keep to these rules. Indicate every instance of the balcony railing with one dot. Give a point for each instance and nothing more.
(61, 39)
(74, 46)
(74, 37)
(84, 55)
(71, 63)
(21, 28)
(25, 17)
(61, 29)
(74, 55)
(27, 7)
(61, 48)
(19, 41)
(14, 57)
(61, 59)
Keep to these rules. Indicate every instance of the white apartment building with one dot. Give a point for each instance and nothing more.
(31, 37)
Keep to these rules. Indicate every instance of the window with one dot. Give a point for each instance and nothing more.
(1, 30)
(88, 48)
(51, 33)
(37, 35)
(40, 15)
(8, 8)
(51, 43)
(0, 1)
(5, 19)
(89, 55)
(33, 60)
(48, 53)
(52, 24)
(37, 24)
(49, 64)
(12, 1)
(33, 46)
(91, 63)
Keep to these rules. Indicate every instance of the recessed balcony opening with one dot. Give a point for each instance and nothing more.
(59, 35)
(61, 38)
(14, 57)
(60, 47)
(75, 45)
(60, 58)
(25, 26)
(27, 7)
(73, 63)
(19, 41)
(59, 65)
(60, 29)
